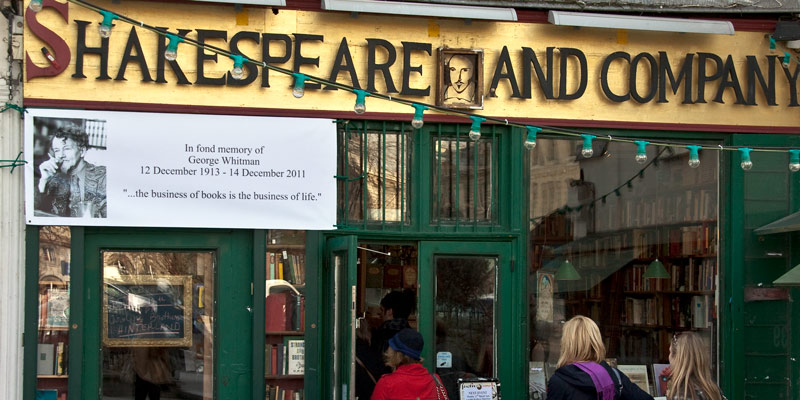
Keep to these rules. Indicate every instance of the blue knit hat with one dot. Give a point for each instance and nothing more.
(408, 342)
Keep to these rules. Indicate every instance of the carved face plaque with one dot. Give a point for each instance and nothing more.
(460, 78)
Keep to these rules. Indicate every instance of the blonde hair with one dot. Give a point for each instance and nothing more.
(581, 341)
(393, 359)
(689, 363)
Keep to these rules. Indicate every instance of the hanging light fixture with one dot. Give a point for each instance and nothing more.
(530, 141)
(361, 106)
(746, 163)
(567, 272)
(475, 129)
(794, 160)
(417, 121)
(656, 270)
(694, 156)
(299, 85)
(171, 53)
(587, 151)
(641, 152)
(105, 26)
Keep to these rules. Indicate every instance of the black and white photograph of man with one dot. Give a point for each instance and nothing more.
(67, 183)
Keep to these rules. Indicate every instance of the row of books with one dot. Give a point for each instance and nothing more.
(50, 394)
(673, 311)
(391, 276)
(693, 240)
(54, 308)
(687, 206)
(52, 359)
(279, 393)
(697, 274)
(285, 311)
(286, 266)
(287, 358)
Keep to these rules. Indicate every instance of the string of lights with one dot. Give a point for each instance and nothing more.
(300, 79)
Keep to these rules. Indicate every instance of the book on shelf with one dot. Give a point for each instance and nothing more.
(295, 355)
(45, 360)
(409, 277)
(57, 312)
(278, 311)
(392, 276)
(637, 375)
(374, 276)
(46, 394)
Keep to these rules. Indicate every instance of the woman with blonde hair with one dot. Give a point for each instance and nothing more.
(690, 371)
(582, 373)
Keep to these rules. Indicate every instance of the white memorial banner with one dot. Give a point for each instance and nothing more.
(99, 168)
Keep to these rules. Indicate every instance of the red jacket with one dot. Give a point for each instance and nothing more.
(407, 382)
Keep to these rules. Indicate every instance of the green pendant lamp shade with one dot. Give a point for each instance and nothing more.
(567, 272)
(656, 270)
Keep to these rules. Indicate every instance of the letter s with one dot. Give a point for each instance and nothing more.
(61, 51)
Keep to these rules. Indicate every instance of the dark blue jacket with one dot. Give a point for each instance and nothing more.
(570, 382)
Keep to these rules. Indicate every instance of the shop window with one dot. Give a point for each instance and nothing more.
(373, 174)
(158, 324)
(284, 326)
(53, 323)
(464, 178)
(598, 226)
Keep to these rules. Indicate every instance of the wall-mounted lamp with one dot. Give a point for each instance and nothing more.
(634, 22)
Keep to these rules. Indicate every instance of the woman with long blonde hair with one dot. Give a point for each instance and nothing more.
(690, 376)
(582, 373)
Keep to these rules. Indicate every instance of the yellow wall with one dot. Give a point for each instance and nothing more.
(490, 36)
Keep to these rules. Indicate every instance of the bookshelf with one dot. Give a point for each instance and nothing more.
(284, 352)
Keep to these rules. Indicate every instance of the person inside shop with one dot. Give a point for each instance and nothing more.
(153, 371)
(396, 308)
(369, 365)
(408, 379)
(582, 373)
(70, 186)
(689, 373)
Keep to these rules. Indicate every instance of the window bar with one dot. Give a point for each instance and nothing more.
(458, 176)
(439, 174)
(383, 176)
(365, 174)
(345, 167)
(475, 185)
(402, 174)
(493, 177)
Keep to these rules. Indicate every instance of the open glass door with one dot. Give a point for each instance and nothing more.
(157, 308)
(459, 313)
(341, 255)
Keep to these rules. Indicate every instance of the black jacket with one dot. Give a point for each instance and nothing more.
(570, 382)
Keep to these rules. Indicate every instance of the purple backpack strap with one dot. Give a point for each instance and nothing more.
(601, 379)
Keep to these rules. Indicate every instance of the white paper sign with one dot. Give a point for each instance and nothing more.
(179, 170)
(296, 357)
(478, 390)
(444, 359)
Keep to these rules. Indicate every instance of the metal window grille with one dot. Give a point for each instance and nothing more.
(464, 177)
(373, 174)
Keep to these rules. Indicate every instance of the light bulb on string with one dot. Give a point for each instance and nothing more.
(361, 106)
(587, 151)
(299, 88)
(35, 5)
(530, 141)
(105, 26)
(746, 163)
(475, 129)
(417, 121)
(794, 160)
(772, 45)
(787, 58)
(694, 157)
(171, 53)
(238, 66)
(641, 152)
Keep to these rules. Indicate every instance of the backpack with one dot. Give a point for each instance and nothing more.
(603, 383)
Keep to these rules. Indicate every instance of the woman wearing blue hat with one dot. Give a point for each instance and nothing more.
(409, 379)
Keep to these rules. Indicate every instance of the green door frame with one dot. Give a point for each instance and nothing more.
(233, 373)
(342, 310)
(504, 301)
